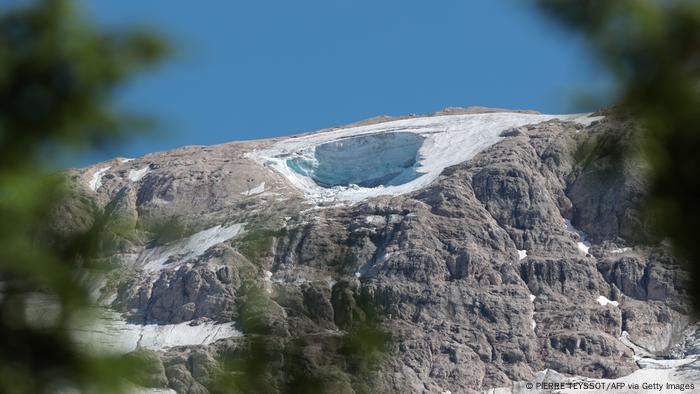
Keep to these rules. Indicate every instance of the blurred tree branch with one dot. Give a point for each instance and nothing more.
(57, 76)
(653, 50)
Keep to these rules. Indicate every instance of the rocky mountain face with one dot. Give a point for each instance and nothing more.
(462, 252)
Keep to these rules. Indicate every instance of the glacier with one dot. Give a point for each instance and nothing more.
(366, 160)
(389, 158)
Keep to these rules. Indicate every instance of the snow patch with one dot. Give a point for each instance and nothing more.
(153, 259)
(533, 323)
(389, 158)
(522, 254)
(602, 300)
(298, 278)
(268, 282)
(331, 283)
(143, 390)
(136, 175)
(375, 219)
(620, 250)
(112, 334)
(256, 190)
(639, 352)
(583, 244)
(96, 180)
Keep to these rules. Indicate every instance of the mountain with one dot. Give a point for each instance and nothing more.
(470, 250)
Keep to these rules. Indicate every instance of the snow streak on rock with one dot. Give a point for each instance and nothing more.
(96, 180)
(583, 244)
(533, 323)
(256, 190)
(620, 250)
(153, 259)
(142, 390)
(268, 282)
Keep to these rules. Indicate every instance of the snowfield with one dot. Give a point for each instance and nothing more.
(112, 334)
(389, 158)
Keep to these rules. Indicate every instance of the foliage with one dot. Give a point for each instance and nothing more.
(270, 360)
(169, 230)
(256, 243)
(653, 50)
(57, 73)
(592, 148)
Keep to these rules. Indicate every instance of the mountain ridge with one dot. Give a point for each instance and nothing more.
(476, 273)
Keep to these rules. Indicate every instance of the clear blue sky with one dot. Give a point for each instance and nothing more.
(258, 68)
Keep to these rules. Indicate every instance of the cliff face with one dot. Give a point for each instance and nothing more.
(488, 247)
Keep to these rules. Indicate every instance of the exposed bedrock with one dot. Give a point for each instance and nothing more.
(192, 291)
